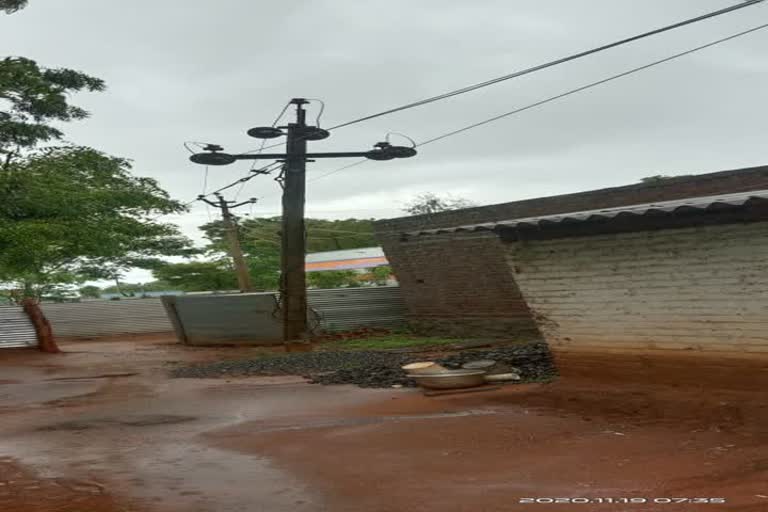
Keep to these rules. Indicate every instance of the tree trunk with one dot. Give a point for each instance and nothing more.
(45, 339)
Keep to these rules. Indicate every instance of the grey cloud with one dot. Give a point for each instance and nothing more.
(181, 70)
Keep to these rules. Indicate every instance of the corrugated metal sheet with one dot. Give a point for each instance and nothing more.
(350, 308)
(230, 316)
(254, 318)
(692, 205)
(16, 330)
(110, 317)
(212, 319)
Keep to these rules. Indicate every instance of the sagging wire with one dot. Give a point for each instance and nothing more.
(267, 169)
(322, 109)
(205, 189)
(261, 148)
(280, 178)
(540, 67)
(594, 84)
(564, 95)
(201, 145)
(390, 134)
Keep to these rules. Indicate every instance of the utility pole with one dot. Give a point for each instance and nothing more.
(233, 239)
(293, 274)
(293, 279)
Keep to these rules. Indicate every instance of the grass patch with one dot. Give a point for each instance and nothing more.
(391, 341)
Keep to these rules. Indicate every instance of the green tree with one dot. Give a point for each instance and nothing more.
(72, 214)
(68, 214)
(332, 279)
(137, 289)
(381, 275)
(11, 6)
(260, 239)
(90, 291)
(196, 276)
(430, 203)
(322, 235)
(661, 178)
(34, 99)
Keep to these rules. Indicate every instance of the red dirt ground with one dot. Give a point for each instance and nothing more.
(102, 429)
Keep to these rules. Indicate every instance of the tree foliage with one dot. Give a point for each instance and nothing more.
(260, 240)
(332, 279)
(430, 203)
(198, 276)
(262, 235)
(11, 6)
(71, 214)
(68, 214)
(380, 275)
(34, 98)
(136, 289)
(661, 178)
(90, 291)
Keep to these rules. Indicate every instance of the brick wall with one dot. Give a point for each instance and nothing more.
(699, 295)
(454, 292)
(703, 288)
(457, 285)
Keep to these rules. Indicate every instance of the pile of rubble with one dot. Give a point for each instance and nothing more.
(374, 369)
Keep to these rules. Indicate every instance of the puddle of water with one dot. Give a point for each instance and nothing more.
(200, 478)
(254, 427)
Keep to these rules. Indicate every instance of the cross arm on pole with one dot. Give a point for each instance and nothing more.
(282, 156)
(205, 200)
(225, 158)
(250, 201)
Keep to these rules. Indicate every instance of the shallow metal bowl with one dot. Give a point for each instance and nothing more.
(451, 379)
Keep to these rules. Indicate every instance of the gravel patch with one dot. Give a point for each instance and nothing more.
(373, 369)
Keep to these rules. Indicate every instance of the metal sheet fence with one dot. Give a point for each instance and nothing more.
(338, 310)
(16, 329)
(343, 309)
(109, 317)
(249, 318)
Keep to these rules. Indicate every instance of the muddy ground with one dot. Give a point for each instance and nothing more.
(102, 428)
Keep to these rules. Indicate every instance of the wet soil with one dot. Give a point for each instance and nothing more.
(102, 428)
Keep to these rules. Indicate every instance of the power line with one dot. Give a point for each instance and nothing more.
(563, 95)
(322, 109)
(264, 170)
(516, 74)
(274, 123)
(205, 189)
(593, 84)
(340, 169)
(205, 180)
(540, 67)
(553, 63)
(487, 83)
(261, 148)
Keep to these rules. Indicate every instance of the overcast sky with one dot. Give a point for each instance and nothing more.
(193, 70)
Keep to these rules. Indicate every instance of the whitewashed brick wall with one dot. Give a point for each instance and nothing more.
(696, 288)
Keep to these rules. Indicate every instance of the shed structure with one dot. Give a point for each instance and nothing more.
(677, 277)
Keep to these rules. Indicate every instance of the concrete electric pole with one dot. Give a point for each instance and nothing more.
(293, 279)
(233, 239)
(293, 288)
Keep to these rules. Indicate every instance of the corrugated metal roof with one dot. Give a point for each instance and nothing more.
(691, 205)
(346, 254)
